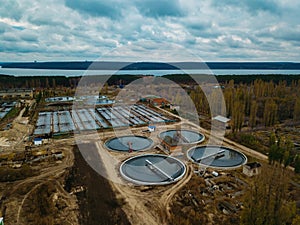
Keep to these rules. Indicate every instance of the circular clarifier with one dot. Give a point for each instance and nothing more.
(152, 169)
(183, 136)
(216, 156)
(129, 143)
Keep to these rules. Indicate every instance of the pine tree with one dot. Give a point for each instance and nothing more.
(270, 112)
(253, 112)
(266, 200)
(296, 113)
(53, 83)
(238, 116)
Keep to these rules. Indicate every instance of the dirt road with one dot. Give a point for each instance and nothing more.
(53, 174)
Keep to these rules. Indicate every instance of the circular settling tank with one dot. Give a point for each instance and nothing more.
(152, 169)
(129, 143)
(216, 156)
(183, 136)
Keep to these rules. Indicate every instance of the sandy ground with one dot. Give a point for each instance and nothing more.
(15, 204)
(12, 138)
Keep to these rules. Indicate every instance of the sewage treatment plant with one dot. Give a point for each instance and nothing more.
(142, 169)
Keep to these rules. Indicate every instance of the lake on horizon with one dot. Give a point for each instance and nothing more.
(69, 73)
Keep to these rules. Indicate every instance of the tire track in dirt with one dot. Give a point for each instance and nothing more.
(47, 174)
(167, 196)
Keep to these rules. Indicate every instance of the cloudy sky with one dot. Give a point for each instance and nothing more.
(213, 30)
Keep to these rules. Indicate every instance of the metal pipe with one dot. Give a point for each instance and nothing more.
(211, 155)
(158, 169)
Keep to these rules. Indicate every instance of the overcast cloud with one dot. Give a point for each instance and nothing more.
(231, 30)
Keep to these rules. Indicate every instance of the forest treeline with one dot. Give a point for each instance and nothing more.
(7, 81)
(245, 79)
(260, 103)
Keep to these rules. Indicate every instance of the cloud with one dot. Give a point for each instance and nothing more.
(87, 29)
(252, 7)
(110, 9)
(44, 20)
(10, 9)
(3, 27)
(282, 32)
(160, 8)
(10, 38)
(29, 37)
(204, 29)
